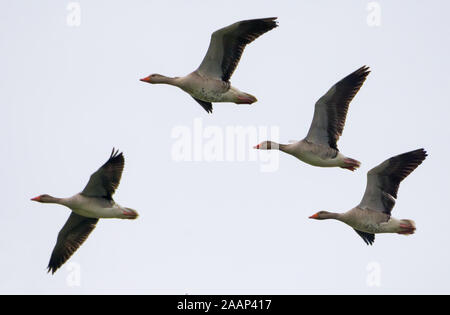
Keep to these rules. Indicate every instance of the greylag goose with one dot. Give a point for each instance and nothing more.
(93, 203)
(211, 81)
(373, 214)
(319, 148)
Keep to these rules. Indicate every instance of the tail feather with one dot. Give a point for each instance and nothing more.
(407, 227)
(130, 214)
(351, 164)
(246, 98)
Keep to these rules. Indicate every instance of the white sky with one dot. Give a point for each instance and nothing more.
(69, 94)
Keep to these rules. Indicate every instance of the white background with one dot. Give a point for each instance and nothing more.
(69, 94)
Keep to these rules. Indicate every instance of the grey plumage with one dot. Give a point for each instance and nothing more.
(331, 109)
(70, 238)
(384, 180)
(227, 45)
(104, 182)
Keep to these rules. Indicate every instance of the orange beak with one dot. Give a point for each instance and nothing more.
(38, 198)
(315, 216)
(147, 79)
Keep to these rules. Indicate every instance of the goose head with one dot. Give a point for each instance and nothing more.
(44, 198)
(267, 145)
(154, 79)
(323, 215)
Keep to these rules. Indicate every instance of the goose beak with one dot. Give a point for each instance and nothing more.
(147, 79)
(256, 147)
(315, 216)
(38, 198)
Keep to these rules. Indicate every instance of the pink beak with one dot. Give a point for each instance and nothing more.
(256, 147)
(38, 198)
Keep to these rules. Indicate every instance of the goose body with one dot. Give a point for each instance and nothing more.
(93, 207)
(93, 203)
(319, 148)
(315, 154)
(210, 83)
(210, 89)
(370, 221)
(373, 215)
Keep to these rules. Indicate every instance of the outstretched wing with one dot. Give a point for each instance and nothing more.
(384, 180)
(331, 109)
(70, 238)
(106, 179)
(227, 45)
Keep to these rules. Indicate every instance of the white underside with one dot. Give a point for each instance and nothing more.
(392, 226)
(215, 96)
(99, 213)
(312, 158)
(95, 207)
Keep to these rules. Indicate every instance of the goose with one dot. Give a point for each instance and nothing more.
(373, 215)
(93, 203)
(319, 148)
(211, 81)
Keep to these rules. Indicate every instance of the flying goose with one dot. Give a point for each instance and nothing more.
(319, 148)
(211, 81)
(373, 214)
(93, 203)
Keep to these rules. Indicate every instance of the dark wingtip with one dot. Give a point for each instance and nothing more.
(52, 269)
(422, 152)
(272, 19)
(271, 22)
(115, 154)
(264, 24)
(363, 72)
(415, 156)
(368, 238)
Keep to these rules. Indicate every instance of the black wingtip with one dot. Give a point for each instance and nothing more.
(368, 238)
(205, 105)
(270, 23)
(209, 110)
(362, 72)
(416, 156)
(115, 153)
(51, 269)
(421, 153)
(272, 20)
(263, 25)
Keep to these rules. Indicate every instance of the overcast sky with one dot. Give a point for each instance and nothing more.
(70, 93)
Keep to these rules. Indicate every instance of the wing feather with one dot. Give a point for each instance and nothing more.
(73, 234)
(228, 44)
(383, 181)
(104, 182)
(331, 109)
